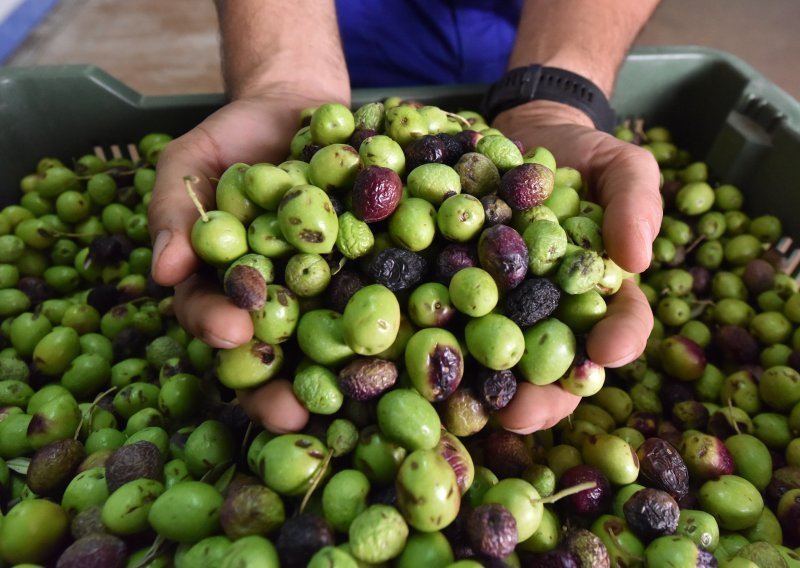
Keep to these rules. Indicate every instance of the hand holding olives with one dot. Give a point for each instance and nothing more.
(624, 179)
(224, 139)
(344, 204)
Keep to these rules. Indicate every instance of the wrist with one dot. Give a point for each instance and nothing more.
(299, 87)
(274, 46)
(602, 72)
(544, 113)
(587, 38)
(536, 82)
(293, 95)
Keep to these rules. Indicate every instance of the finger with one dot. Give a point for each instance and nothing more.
(628, 189)
(624, 180)
(172, 213)
(209, 315)
(274, 406)
(536, 407)
(621, 336)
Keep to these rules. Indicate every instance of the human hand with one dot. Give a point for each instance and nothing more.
(624, 179)
(252, 129)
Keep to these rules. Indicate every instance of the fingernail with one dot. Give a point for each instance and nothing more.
(624, 360)
(161, 242)
(646, 231)
(535, 427)
(218, 341)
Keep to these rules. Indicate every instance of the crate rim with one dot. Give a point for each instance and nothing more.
(758, 84)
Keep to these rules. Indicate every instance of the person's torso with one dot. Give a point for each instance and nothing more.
(426, 42)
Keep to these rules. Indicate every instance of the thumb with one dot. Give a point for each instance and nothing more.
(171, 211)
(628, 189)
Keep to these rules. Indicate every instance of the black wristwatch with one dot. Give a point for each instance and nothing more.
(536, 82)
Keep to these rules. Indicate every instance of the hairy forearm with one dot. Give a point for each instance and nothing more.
(272, 44)
(588, 37)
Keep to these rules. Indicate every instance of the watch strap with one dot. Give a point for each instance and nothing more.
(536, 82)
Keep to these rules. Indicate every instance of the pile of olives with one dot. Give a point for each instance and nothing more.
(405, 267)
(401, 234)
(719, 379)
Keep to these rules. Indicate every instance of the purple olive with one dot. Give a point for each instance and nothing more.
(506, 454)
(359, 135)
(495, 211)
(425, 150)
(526, 186)
(737, 345)
(366, 378)
(759, 276)
(453, 148)
(588, 503)
(469, 139)
(376, 193)
(452, 258)
(492, 530)
(503, 254)
(788, 513)
(701, 280)
(645, 422)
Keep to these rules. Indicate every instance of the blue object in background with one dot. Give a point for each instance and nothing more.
(426, 42)
(18, 18)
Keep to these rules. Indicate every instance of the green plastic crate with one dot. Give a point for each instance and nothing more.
(718, 107)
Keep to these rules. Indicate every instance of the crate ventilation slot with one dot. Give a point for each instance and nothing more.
(761, 112)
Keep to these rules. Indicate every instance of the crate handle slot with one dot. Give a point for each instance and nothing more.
(761, 112)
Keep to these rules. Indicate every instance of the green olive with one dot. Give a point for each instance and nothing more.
(31, 531)
(732, 500)
(186, 512)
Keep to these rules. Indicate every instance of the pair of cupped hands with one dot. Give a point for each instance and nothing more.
(623, 179)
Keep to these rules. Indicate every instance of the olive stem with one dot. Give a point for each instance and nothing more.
(246, 438)
(122, 173)
(339, 266)
(317, 478)
(638, 128)
(459, 118)
(153, 552)
(567, 492)
(733, 420)
(90, 410)
(216, 473)
(76, 235)
(189, 183)
(694, 243)
(225, 479)
(698, 307)
(628, 556)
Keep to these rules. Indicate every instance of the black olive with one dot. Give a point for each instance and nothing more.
(492, 530)
(301, 537)
(651, 513)
(397, 269)
(532, 301)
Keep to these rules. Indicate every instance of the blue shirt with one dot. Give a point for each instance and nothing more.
(395, 43)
